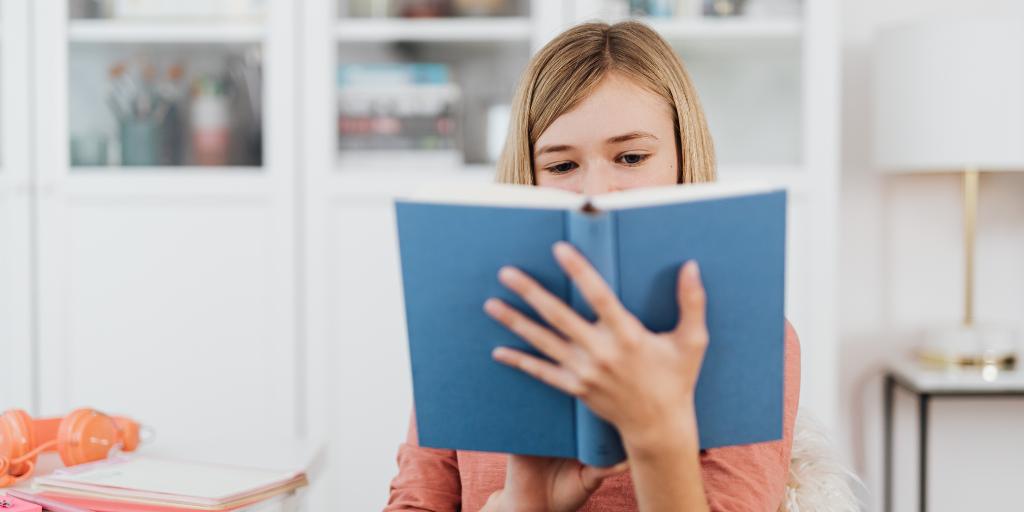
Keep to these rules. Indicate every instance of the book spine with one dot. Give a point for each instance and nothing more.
(593, 233)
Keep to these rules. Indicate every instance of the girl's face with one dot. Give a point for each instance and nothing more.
(619, 137)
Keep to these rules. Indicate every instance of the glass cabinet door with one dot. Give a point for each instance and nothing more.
(424, 85)
(155, 83)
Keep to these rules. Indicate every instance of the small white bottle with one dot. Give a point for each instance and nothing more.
(211, 129)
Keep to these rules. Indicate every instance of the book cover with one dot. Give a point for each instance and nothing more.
(453, 242)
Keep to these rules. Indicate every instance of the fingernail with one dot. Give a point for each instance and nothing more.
(561, 249)
(498, 353)
(506, 273)
(691, 272)
(491, 306)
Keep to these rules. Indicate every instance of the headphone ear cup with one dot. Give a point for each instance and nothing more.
(16, 439)
(85, 435)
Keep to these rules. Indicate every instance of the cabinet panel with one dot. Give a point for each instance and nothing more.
(15, 300)
(371, 391)
(16, 352)
(170, 312)
(166, 292)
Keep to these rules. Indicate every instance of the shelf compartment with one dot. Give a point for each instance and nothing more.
(485, 74)
(176, 105)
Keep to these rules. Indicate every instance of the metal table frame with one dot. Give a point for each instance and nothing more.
(894, 380)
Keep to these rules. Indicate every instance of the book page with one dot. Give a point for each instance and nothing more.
(527, 196)
(653, 196)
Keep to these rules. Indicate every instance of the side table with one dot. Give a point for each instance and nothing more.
(927, 383)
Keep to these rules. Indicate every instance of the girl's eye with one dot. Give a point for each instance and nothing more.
(561, 168)
(633, 158)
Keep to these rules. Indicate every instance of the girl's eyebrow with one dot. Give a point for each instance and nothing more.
(552, 148)
(625, 137)
(631, 136)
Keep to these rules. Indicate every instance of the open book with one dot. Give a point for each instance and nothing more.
(453, 240)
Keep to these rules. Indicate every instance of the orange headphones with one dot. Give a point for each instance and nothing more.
(85, 435)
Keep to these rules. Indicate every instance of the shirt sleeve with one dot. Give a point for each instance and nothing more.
(753, 477)
(427, 480)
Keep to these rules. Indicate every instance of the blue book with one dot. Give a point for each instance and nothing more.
(453, 240)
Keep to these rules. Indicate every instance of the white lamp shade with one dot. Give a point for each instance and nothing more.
(949, 94)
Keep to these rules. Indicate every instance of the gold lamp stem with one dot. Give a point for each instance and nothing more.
(970, 220)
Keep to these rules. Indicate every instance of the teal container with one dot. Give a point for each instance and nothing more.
(140, 142)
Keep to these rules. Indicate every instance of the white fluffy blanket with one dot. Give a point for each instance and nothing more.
(818, 482)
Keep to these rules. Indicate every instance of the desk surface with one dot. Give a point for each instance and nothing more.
(953, 381)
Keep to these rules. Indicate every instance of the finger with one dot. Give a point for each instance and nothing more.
(548, 373)
(535, 334)
(549, 307)
(692, 304)
(592, 286)
(591, 477)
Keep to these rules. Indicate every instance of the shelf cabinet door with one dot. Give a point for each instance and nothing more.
(16, 374)
(15, 295)
(168, 294)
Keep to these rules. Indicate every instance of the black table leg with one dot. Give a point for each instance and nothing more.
(887, 397)
(922, 422)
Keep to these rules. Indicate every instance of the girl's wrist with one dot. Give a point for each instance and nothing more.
(672, 433)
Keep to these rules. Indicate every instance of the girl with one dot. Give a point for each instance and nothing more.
(603, 108)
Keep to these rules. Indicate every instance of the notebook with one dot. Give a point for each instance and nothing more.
(453, 240)
(166, 482)
(108, 505)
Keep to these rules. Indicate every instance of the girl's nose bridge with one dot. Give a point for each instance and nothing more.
(597, 178)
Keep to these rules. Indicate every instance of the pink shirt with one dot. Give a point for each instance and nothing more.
(744, 478)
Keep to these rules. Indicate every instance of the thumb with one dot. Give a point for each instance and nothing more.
(592, 476)
(692, 303)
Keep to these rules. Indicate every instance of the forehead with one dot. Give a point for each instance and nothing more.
(616, 106)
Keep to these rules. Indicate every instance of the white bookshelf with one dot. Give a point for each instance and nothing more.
(183, 276)
(706, 42)
(293, 263)
(768, 86)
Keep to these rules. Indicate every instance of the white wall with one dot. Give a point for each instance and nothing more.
(901, 270)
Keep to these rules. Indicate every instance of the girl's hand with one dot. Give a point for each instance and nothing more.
(547, 483)
(640, 381)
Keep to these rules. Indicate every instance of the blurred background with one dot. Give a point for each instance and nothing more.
(196, 225)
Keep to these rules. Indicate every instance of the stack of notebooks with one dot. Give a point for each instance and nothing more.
(153, 484)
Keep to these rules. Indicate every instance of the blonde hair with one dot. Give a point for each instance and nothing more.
(571, 66)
